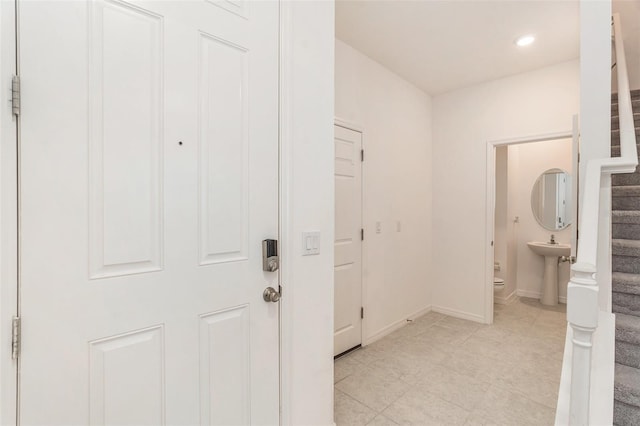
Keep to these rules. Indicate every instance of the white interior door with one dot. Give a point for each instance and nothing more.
(348, 241)
(149, 170)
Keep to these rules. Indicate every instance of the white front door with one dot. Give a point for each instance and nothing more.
(148, 179)
(348, 240)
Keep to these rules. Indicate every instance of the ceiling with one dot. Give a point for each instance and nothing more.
(444, 45)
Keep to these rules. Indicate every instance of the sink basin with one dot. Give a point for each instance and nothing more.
(551, 253)
(547, 249)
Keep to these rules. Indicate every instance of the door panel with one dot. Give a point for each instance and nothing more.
(126, 378)
(149, 177)
(224, 341)
(125, 130)
(348, 243)
(223, 150)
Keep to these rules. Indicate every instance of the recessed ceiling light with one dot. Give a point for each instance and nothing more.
(525, 40)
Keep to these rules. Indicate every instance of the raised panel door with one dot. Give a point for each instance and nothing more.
(148, 179)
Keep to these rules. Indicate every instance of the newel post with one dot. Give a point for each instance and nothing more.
(582, 315)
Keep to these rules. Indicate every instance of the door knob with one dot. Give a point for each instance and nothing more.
(270, 294)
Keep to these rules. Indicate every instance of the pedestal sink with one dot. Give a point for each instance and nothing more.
(551, 253)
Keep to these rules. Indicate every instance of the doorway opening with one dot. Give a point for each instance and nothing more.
(521, 174)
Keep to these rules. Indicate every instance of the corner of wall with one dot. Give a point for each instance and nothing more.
(308, 192)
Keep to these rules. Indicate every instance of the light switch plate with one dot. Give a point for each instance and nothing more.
(310, 243)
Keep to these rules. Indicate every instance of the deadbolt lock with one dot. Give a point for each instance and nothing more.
(270, 262)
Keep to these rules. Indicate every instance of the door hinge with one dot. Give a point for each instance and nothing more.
(361, 312)
(15, 95)
(361, 234)
(362, 155)
(15, 338)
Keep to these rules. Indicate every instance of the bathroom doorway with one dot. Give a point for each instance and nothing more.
(531, 196)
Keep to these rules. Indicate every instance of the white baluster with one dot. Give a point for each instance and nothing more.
(582, 314)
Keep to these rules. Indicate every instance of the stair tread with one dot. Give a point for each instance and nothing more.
(627, 384)
(625, 255)
(619, 242)
(624, 277)
(625, 303)
(625, 414)
(623, 282)
(628, 328)
(625, 216)
(626, 179)
(626, 191)
(627, 354)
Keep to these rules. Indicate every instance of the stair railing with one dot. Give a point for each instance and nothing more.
(582, 291)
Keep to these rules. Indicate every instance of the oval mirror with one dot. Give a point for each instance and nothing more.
(551, 199)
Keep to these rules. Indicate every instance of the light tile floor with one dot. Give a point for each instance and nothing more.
(444, 370)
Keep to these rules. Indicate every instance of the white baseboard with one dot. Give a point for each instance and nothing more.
(394, 326)
(505, 300)
(528, 293)
(420, 313)
(537, 295)
(458, 314)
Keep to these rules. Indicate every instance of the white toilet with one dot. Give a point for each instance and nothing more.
(498, 283)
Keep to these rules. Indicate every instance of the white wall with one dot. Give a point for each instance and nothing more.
(501, 227)
(630, 15)
(534, 159)
(537, 102)
(307, 304)
(513, 227)
(396, 119)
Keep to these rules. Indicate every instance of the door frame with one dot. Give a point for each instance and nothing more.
(9, 134)
(491, 211)
(285, 207)
(9, 224)
(363, 250)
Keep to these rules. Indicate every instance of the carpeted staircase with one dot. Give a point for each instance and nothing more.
(626, 277)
